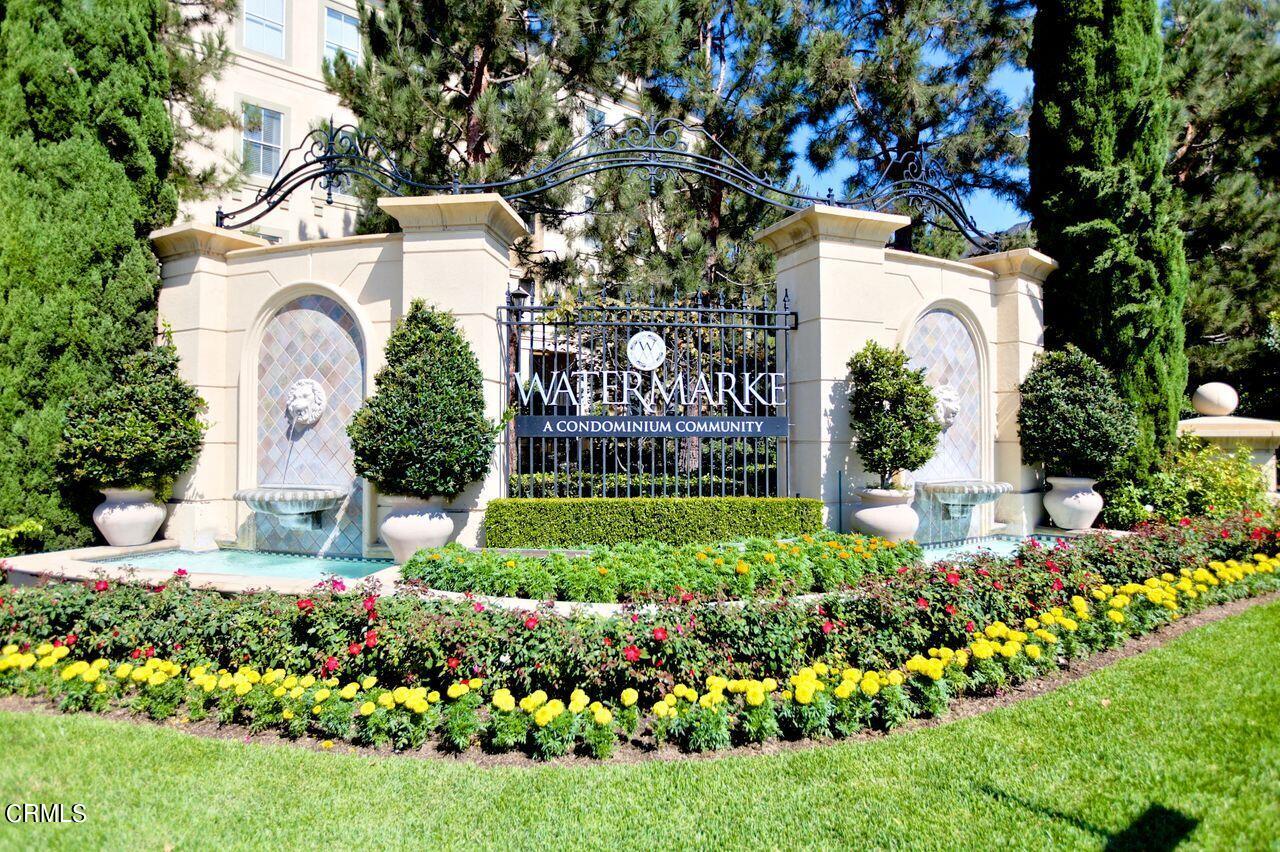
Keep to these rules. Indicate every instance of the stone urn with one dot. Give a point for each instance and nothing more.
(129, 516)
(1071, 502)
(414, 523)
(887, 512)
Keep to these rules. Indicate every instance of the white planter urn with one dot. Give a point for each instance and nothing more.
(129, 516)
(1072, 503)
(887, 512)
(414, 523)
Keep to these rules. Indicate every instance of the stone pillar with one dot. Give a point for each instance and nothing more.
(830, 267)
(193, 302)
(1019, 301)
(457, 257)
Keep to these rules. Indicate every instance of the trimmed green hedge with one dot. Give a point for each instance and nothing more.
(582, 521)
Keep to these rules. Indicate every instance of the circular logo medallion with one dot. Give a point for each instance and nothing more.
(646, 350)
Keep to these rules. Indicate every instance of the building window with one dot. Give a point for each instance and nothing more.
(264, 27)
(263, 131)
(341, 35)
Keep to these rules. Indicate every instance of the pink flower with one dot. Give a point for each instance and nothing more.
(631, 652)
(181, 572)
(371, 639)
(922, 603)
(827, 627)
(531, 622)
(354, 649)
(969, 626)
(1057, 584)
(477, 606)
(101, 586)
(337, 585)
(953, 578)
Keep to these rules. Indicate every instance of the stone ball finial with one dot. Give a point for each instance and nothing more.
(1215, 399)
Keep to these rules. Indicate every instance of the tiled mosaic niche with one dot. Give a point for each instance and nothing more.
(312, 337)
(941, 345)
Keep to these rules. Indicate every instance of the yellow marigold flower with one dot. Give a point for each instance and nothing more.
(326, 745)
(1010, 649)
(287, 714)
(321, 695)
(845, 689)
(433, 696)
(9, 650)
(367, 708)
(1116, 615)
(368, 682)
(475, 683)
(387, 700)
(895, 678)
(307, 682)
(503, 700)
(290, 682)
(243, 688)
(90, 675)
(457, 690)
(400, 694)
(1033, 651)
(770, 558)
(278, 692)
(349, 691)
(602, 717)
(769, 684)
(870, 686)
(629, 697)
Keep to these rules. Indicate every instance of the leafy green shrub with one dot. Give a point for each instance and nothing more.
(1197, 478)
(584, 521)
(1072, 417)
(423, 432)
(892, 413)
(636, 572)
(141, 432)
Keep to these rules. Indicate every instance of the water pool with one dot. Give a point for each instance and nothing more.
(254, 563)
(998, 545)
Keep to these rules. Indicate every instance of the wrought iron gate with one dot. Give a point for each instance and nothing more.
(611, 400)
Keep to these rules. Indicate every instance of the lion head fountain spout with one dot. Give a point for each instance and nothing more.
(297, 506)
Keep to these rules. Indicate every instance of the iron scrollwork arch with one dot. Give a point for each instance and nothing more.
(332, 156)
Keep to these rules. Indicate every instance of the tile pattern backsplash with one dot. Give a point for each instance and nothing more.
(312, 337)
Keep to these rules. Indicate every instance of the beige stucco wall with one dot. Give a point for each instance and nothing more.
(219, 290)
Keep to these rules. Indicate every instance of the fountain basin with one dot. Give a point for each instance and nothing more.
(961, 495)
(297, 506)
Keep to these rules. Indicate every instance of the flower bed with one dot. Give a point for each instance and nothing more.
(639, 572)
(823, 699)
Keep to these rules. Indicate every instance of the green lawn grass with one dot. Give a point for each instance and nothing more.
(1181, 743)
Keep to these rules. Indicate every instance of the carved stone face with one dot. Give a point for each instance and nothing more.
(946, 406)
(304, 402)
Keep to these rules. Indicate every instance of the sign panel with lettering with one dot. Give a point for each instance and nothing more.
(578, 426)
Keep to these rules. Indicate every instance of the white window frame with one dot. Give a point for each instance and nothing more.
(325, 43)
(282, 24)
(246, 103)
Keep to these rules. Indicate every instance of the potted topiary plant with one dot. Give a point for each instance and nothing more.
(1074, 421)
(892, 412)
(422, 436)
(131, 441)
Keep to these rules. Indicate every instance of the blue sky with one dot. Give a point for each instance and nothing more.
(991, 213)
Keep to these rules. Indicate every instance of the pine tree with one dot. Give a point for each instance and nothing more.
(893, 77)
(477, 91)
(1103, 206)
(735, 70)
(86, 144)
(1222, 62)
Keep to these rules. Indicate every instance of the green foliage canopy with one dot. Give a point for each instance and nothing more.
(423, 432)
(891, 410)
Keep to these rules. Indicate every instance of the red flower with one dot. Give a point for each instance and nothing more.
(181, 572)
(1051, 566)
(452, 662)
(531, 622)
(337, 585)
(149, 652)
(953, 578)
(306, 604)
(998, 585)
(370, 602)
(922, 603)
(903, 569)
(1257, 534)
(827, 627)
(632, 653)
(686, 597)
(135, 653)
(58, 643)
(969, 626)
(1057, 584)
(950, 608)
(477, 606)
(983, 572)
(354, 649)
(660, 634)
(1184, 522)
(331, 665)
(71, 639)
(608, 643)
(371, 639)
(101, 586)
(1225, 534)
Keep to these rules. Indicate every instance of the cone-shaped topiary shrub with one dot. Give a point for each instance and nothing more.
(423, 432)
(1073, 418)
(891, 410)
(141, 432)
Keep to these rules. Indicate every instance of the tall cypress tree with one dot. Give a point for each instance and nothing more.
(1103, 206)
(1222, 61)
(85, 147)
(892, 77)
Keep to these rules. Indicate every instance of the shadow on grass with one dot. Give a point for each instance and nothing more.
(1157, 828)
